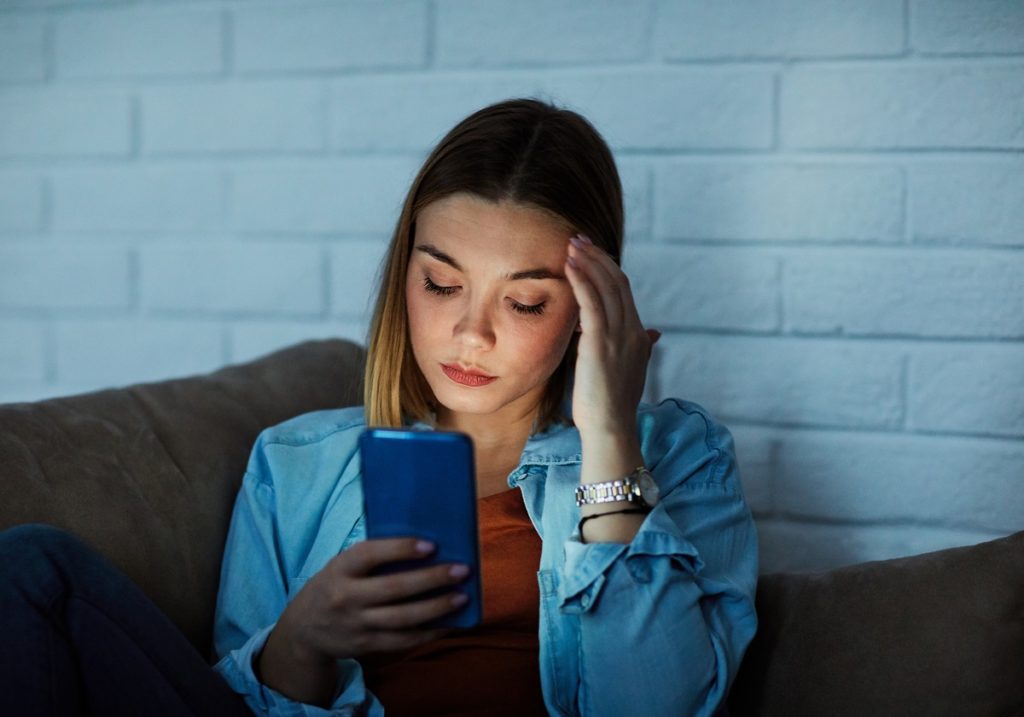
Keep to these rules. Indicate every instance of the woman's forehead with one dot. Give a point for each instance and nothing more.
(464, 219)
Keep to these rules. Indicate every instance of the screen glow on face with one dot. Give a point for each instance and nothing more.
(491, 312)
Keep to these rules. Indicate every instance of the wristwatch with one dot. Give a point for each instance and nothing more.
(637, 488)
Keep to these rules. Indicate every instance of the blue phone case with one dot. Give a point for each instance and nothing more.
(422, 484)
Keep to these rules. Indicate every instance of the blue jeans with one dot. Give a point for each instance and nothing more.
(77, 636)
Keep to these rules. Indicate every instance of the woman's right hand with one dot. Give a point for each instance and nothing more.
(343, 611)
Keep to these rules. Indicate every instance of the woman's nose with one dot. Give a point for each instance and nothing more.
(475, 328)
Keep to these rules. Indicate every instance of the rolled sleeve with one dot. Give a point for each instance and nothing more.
(252, 596)
(664, 621)
(350, 699)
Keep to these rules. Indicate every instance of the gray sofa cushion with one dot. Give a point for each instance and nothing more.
(148, 474)
(934, 634)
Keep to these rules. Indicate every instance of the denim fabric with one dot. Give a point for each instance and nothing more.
(655, 627)
(79, 637)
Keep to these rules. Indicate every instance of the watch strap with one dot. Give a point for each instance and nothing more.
(620, 490)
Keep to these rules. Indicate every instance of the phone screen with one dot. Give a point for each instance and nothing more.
(422, 484)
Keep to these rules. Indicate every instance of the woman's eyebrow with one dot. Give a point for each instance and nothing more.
(540, 273)
(534, 274)
(438, 254)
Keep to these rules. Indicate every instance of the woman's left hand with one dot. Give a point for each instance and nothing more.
(614, 347)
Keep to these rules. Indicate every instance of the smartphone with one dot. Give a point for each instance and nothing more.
(423, 484)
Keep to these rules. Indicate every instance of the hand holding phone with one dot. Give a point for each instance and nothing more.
(421, 484)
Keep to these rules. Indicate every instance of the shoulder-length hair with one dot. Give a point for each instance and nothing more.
(524, 151)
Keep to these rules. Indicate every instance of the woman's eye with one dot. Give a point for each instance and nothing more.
(436, 289)
(528, 309)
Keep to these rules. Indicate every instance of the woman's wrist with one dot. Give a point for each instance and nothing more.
(609, 455)
(286, 664)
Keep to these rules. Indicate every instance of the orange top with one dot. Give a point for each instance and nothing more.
(491, 669)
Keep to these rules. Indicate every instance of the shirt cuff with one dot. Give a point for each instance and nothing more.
(586, 564)
(350, 695)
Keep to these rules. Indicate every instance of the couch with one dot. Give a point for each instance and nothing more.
(148, 473)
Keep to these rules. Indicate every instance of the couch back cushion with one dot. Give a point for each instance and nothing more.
(148, 474)
(934, 634)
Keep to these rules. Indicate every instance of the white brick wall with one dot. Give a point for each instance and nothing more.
(825, 214)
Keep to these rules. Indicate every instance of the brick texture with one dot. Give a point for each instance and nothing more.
(823, 214)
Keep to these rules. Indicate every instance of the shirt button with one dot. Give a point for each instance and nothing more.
(585, 602)
(641, 573)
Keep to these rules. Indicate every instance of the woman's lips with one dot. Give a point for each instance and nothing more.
(465, 378)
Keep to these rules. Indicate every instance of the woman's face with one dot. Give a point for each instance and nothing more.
(490, 310)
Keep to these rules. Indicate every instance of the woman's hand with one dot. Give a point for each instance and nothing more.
(343, 612)
(614, 348)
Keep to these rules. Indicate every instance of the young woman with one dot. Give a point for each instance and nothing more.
(618, 557)
(502, 313)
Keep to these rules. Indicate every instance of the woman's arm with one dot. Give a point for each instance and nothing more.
(611, 366)
(664, 621)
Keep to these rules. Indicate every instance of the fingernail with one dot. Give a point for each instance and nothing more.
(459, 599)
(585, 239)
(572, 262)
(575, 241)
(458, 571)
(424, 546)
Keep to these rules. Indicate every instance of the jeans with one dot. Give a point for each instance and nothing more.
(77, 636)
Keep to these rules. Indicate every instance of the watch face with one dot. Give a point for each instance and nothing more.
(648, 488)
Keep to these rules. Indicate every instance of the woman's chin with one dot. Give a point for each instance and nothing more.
(479, 405)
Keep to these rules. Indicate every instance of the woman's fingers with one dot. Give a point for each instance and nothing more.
(593, 316)
(383, 589)
(363, 557)
(413, 614)
(602, 276)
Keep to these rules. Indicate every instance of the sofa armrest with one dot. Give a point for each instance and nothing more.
(147, 474)
(934, 634)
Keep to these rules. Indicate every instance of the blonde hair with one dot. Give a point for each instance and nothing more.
(526, 151)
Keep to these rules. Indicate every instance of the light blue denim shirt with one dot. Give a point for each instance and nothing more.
(654, 627)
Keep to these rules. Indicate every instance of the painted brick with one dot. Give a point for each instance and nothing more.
(804, 547)
(37, 4)
(677, 287)
(20, 391)
(954, 26)
(964, 202)
(968, 389)
(968, 483)
(252, 339)
(722, 108)
(904, 107)
(125, 351)
(533, 32)
(251, 278)
(356, 196)
(22, 350)
(254, 116)
(783, 380)
(22, 49)
(138, 43)
(34, 276)
(149, 198)
(692, 29)
(672, 108)
(21, 202)
(787, 202)
(413, 112)
(354, 272)
(49, 122)
(756, 453)
(637, 189)
(955, 293)
(357, 34)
